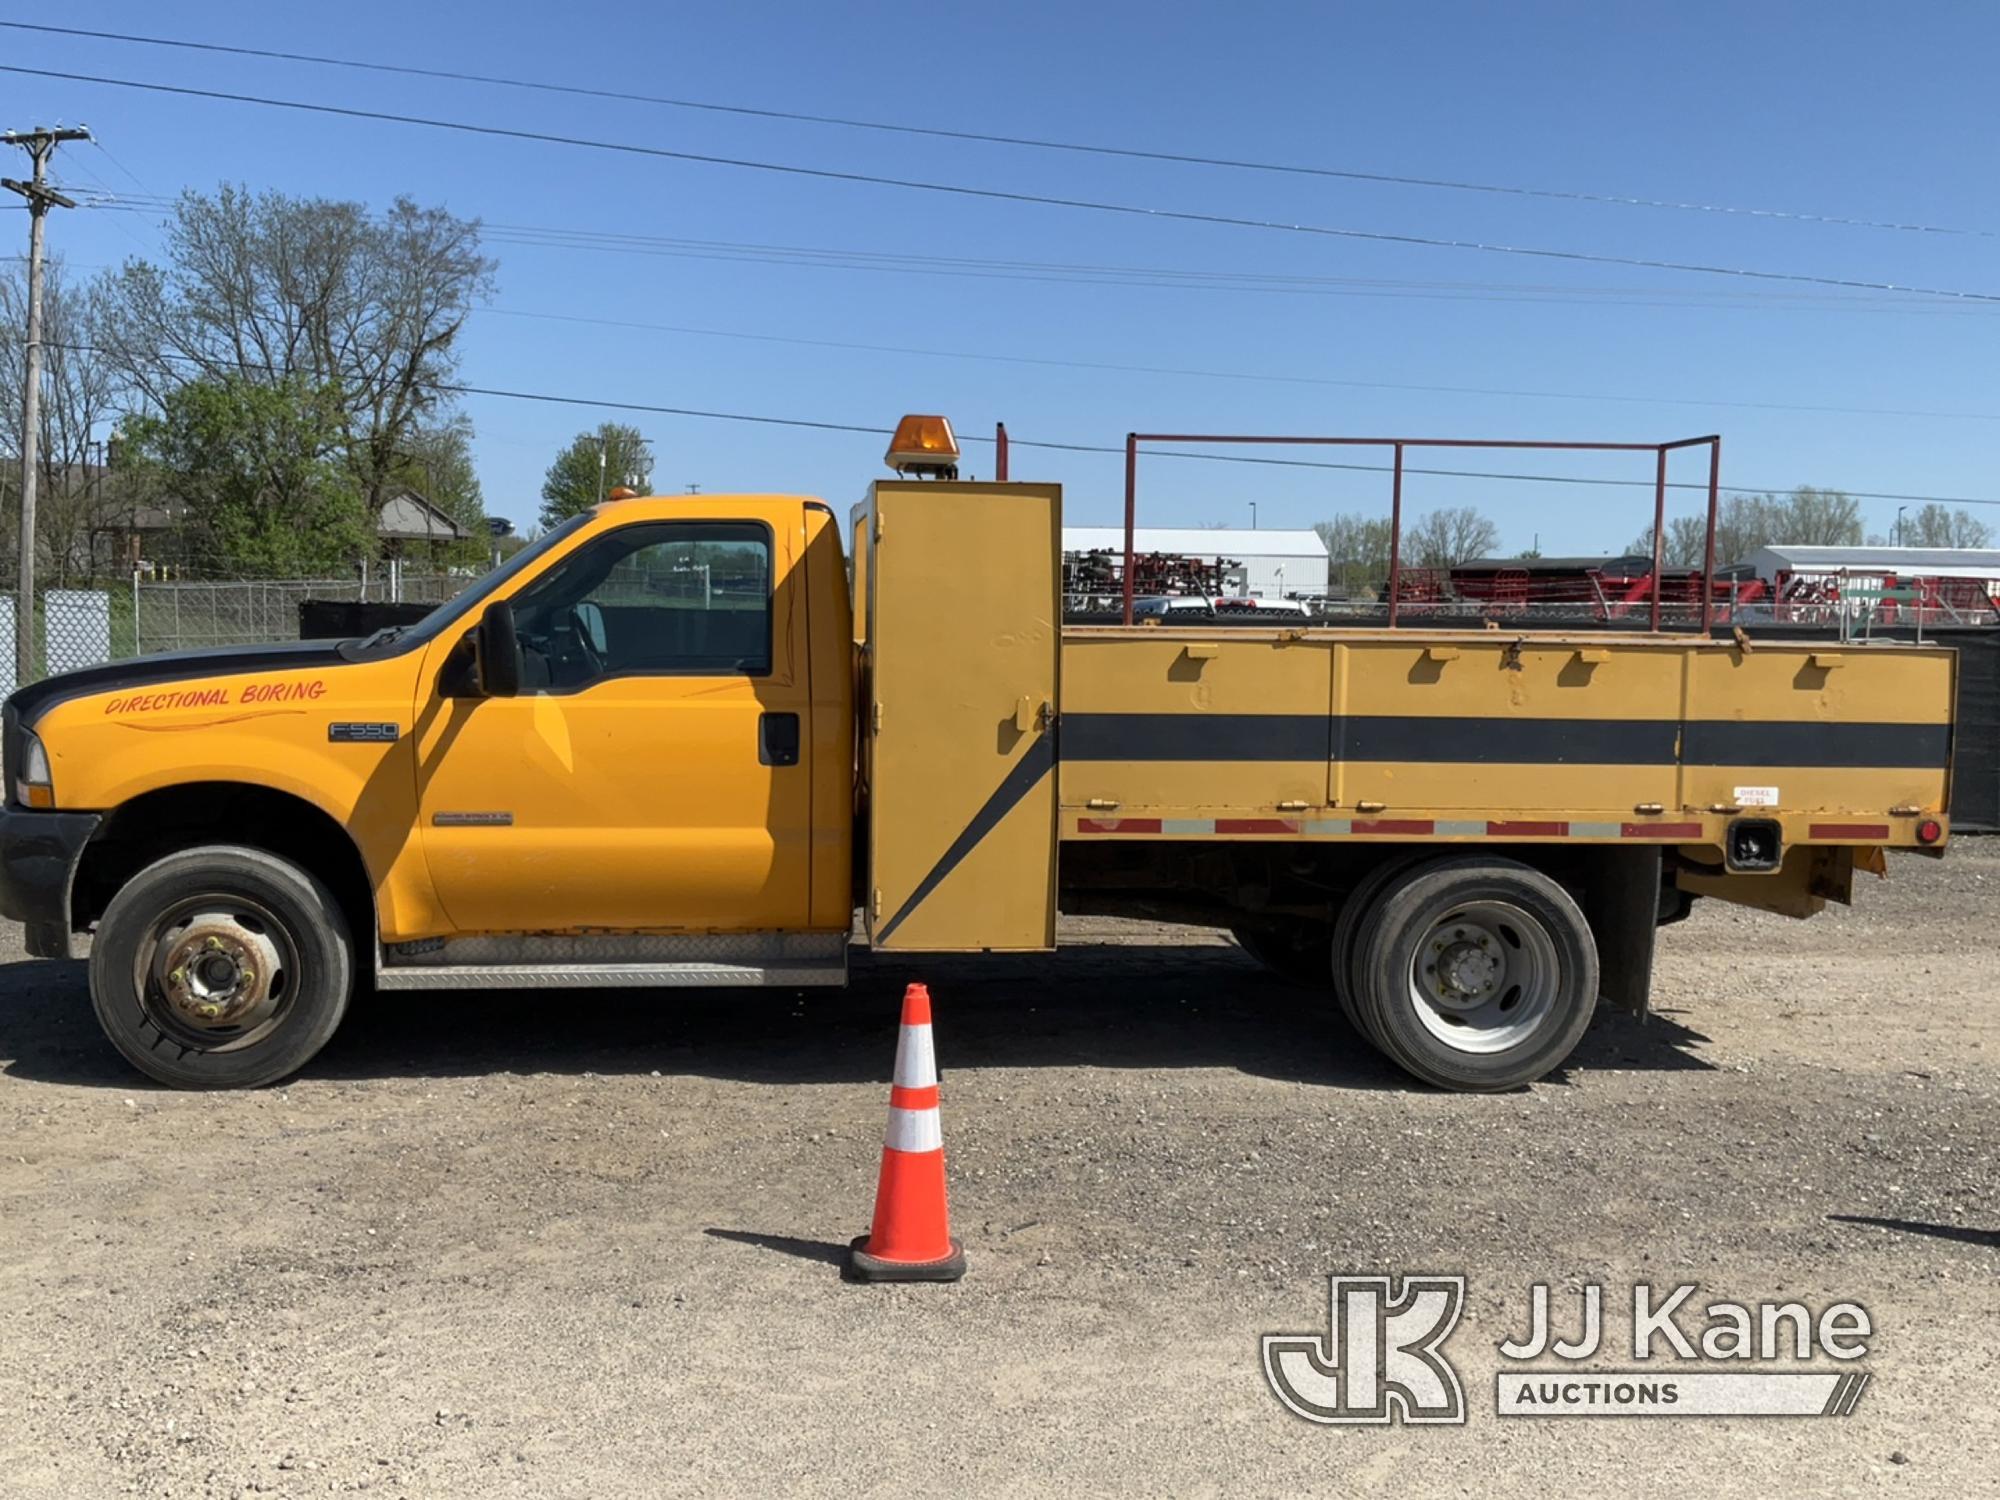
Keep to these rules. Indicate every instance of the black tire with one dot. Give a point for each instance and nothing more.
(1299, 952)
(1509, 974)
(1356, 916)
(273, 916)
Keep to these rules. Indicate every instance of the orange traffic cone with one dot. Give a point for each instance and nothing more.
(911, 1239)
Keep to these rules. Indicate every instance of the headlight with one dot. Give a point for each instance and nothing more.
(33, 786)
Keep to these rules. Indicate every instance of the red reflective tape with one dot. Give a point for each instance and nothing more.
(1848, 831)
(1117, 825)
(1527, 830)
(1660, 830)
(902, 1098)
(1255, 825)
(1394, 825)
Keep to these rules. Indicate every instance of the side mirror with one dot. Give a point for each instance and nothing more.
(496, 652)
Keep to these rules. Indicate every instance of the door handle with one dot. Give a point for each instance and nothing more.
(778, 739)
(1030, 713)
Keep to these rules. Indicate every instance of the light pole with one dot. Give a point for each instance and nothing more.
(1899, 523)
(1253, 515)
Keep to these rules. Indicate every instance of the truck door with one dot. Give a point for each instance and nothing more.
(652, 774)
(964, 626)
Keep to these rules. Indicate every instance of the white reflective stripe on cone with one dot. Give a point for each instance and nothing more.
(916, 1063)
(914, 1130)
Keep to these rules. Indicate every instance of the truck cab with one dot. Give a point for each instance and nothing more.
(626, 756)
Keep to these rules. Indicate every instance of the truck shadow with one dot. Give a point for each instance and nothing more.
(1110, 1005)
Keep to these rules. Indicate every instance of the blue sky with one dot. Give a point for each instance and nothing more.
(1837, 109)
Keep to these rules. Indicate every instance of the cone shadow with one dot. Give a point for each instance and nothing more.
(827, 1252)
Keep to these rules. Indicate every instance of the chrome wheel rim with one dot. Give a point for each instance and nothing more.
(1485, 977)
(217, 972)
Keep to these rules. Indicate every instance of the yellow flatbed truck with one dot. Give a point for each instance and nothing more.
(679, 741)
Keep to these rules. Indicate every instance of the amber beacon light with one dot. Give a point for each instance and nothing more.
(924, 446)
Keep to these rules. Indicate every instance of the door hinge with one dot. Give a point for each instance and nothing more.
(875, 903)
(875, 719)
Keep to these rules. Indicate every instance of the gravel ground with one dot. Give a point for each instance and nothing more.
(500, 1246)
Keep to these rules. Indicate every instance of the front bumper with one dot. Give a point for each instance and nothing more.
(39, 852)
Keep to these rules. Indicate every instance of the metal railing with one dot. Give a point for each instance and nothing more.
(1400, 446)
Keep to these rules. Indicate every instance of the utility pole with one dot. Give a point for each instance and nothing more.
(40, 145)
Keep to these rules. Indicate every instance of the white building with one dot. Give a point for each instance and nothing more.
(1981, 563)
(1272, 564)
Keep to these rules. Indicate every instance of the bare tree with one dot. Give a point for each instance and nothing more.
(274, 289)
(1935, 526)
(1807, 517)
(1686, 538)
(79, 401)
(1446, 538)
(1357, 546)
(1821, 518)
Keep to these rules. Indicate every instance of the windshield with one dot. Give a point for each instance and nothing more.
(453, 610)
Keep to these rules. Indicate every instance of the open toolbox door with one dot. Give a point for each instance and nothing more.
(964, 601)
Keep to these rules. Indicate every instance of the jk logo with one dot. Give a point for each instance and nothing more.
(1379, 1360)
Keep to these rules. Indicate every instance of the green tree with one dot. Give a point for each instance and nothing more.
(364, 308)
(253, 472)
(593, 465)
(438, 465)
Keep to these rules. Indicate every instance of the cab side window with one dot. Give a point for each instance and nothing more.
(684, 598)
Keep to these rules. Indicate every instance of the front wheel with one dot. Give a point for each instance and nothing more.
(221, 967)
(1476, 973)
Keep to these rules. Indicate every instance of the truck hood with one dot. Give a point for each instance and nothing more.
(28, 704)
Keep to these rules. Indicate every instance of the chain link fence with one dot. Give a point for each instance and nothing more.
(86, 627)
(73, 628)
(178, 616)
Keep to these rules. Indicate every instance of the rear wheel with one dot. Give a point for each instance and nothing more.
(1299, 951)
(1356, 914)
(221, 967)
(1476, 973)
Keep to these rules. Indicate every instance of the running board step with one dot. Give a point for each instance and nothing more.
(616, 960)
(608, 976)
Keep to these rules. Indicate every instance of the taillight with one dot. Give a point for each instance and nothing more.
(1929, 831)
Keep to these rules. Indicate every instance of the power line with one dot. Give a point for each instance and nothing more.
(990, 138)
(1370, 385)
(1063, 273)
(897, 263)
(999, 195)
(456, 388)
(1176, 453)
